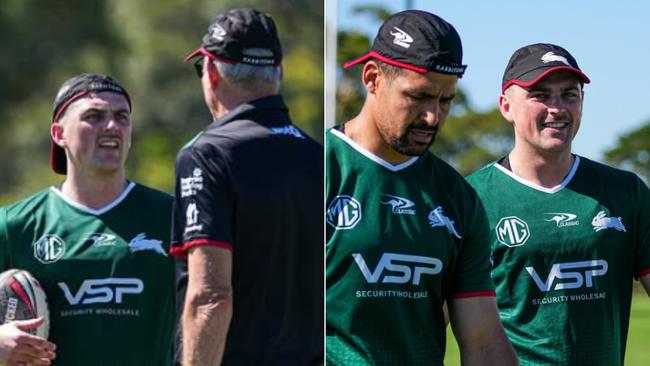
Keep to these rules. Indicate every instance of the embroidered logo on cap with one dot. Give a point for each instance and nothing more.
(217, 31)
(550, 57)
(401, 38)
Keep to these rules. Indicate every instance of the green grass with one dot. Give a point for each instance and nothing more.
(638, 349)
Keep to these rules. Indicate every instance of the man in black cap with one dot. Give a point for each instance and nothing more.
(568, 234)
(405, 232)
(97, 242)
(248, 209)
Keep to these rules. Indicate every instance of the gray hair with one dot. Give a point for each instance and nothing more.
(250, 79)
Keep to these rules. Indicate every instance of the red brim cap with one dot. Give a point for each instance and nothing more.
(373, 54)
(537, 78)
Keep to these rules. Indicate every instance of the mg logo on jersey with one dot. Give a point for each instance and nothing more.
(566, 271)
(104, 290)
(49, 249)
(344, 212)
(512, 231)
(406, 268)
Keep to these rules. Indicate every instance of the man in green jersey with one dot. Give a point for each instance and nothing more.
(405, 232)
(97, 242)
(568, 234)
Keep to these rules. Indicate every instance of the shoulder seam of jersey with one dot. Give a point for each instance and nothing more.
(376, 159)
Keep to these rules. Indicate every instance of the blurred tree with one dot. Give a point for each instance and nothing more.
(633, 152)
(469, 139)
(142, 43)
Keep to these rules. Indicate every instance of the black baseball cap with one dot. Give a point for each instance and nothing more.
(238, 35)
(531, 63)
(419, 41)
(71, 90)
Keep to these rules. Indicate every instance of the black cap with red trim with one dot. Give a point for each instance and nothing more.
(71, 90)
(531, 63)
(418, 41)
(241, 36)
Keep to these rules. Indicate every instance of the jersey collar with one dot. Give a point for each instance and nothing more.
(537, 187)
(92, 211)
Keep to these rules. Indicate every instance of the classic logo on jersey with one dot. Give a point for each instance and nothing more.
(437, 218)
(399, 205)
(550, 57)
(512, 231)
(344, 212)
(49, 249)
(401, 38)
(192, 218)
(288, 130)
(193, 184)
(602, 222)
(102, 290)
(562, 219)
(140, 242)
(402, 268)
(567, 275)
(102, 240)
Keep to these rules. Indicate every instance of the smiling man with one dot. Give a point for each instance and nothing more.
(568, 234)
(405, 232)
(97, 242)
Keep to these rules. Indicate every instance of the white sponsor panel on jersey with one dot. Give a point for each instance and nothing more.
(49, 248)
(344, 212)
(192, 184)
(398, 268)
(512, 231)
(192, 218)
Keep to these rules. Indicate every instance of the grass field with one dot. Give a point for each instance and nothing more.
(638, 348)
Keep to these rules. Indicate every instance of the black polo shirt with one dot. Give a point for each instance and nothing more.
(252, 183)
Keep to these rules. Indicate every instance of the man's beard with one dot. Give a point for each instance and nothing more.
(402, 145)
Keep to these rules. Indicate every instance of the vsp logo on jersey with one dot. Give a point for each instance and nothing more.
(103, 290)
(567, 271)
(49, 249)
(512, 231)
(602, 222)
(344, 212)
(409, 268)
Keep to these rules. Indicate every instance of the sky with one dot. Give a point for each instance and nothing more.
(609, 39)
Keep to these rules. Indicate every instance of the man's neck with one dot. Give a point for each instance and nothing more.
(93, 191)
(546, 170)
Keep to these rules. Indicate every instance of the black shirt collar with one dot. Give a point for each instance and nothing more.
(270, 110)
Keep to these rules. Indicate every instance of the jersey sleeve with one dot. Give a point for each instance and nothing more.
(4, 241)
(642, 254)
(202, 213)
(472, 273)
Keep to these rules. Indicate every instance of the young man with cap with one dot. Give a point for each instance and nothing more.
(568, 234)
(98, 242)
(405, 232)
(248, 210)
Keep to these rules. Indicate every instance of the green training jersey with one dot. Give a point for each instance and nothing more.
(401, 239)
(564, 259)
(106, 273)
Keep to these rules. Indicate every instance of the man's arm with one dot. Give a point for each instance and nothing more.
(208, 305)
(479, 333)
(645, 281)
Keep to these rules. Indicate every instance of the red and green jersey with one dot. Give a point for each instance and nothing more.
(564, 260)
(107, 274)
(401, 239)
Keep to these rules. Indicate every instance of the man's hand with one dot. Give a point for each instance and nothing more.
(17, 347)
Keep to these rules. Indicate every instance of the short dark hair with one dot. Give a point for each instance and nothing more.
(389, 70)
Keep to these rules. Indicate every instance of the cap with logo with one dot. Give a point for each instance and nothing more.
(241, 36)
(72, 89)
(531, 63)
(419, 41)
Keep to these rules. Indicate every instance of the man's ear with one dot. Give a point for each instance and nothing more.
(56, 132)
(371, 76)
(505, 107)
